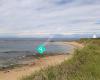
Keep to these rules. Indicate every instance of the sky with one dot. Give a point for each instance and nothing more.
(35, 17)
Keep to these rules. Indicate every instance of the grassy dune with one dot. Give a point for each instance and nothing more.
(85, 65)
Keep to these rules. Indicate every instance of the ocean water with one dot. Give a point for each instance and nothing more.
(13, 49)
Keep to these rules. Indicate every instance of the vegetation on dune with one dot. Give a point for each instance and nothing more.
(85, 65)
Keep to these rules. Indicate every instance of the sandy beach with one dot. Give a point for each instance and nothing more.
(17, 73)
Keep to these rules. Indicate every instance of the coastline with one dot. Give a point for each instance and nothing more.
(15, 74)
(73, 43)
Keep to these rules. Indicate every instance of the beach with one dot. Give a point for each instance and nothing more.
(41, 63)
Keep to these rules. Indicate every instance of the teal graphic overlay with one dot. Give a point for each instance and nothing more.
(41, 49)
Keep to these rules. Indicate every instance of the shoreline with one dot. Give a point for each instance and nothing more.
(44, 62)
(72, 43)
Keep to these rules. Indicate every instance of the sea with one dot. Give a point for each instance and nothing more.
(12, 50)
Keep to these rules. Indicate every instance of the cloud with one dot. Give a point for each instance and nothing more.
(61, 2)
(27, 17)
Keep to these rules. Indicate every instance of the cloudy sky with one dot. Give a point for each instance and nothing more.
(30, 17)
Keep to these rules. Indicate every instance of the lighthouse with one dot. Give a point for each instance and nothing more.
(94, 36)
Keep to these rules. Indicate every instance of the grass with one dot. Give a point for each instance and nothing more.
(85, 65)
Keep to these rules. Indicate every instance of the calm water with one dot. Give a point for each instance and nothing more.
(11, 49)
